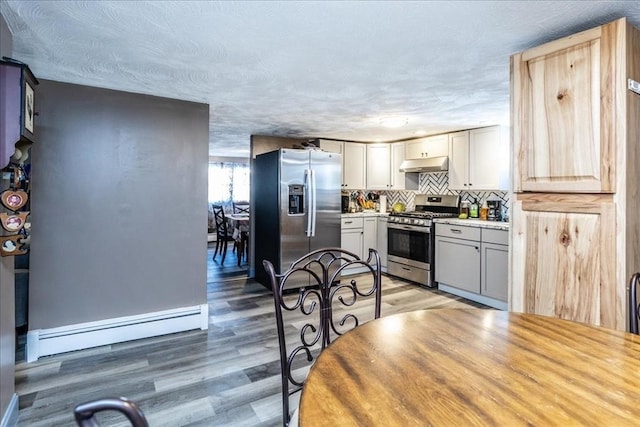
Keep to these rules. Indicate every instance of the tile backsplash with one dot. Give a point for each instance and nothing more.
(438, 183)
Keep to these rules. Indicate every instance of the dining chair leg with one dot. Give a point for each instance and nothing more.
(224, 251)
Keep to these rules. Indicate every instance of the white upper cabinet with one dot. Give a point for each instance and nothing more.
(383, 166)
(431, 146)
(353, 166)
(397, 157)
(353, 162)
(478, 159)
(378, 166)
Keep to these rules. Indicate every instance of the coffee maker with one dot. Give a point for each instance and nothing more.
(495, 210)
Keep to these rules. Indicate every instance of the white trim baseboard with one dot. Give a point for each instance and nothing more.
(10, 417)
(45, 342)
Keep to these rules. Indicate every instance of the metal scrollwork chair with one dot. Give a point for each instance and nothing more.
(85, 412)
(634, 303)
(324, 306)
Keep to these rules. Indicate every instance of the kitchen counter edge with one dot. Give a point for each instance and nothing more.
(496, 225)
(363, 214)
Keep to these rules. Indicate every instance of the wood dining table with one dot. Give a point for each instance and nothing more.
(474, 367)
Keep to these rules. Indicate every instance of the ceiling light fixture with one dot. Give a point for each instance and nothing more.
(393, 122)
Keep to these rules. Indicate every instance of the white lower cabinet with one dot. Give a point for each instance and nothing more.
(382, 241)
(472, 262)
(357, 236)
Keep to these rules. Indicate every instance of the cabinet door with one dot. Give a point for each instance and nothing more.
(354, 161)
(564, 258)
(378, 166)
(431, 146)
(459, 160)
(332, 146)
(485, 158)
(450, 253)
(370, 235)
(351, 239)
(382, 240)
(494, 271)
(397, 157)
(565, 108)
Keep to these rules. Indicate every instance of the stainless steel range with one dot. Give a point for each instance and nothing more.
(411, 237)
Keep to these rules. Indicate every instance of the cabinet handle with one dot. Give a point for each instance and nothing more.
(406, 269)
(348, 222)
(454, 230)
(464, 184)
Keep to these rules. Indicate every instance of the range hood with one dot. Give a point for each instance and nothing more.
(428, 164)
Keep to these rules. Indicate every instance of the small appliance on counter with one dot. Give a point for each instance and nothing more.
(345, 203)
(495, 210)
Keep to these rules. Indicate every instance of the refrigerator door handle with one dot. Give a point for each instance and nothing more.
(313, 203)
(308, 186)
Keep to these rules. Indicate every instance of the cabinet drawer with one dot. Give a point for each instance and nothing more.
(499, 237)
(351, 223)
(458, 231)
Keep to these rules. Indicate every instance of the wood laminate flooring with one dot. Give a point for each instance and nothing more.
(228, 375)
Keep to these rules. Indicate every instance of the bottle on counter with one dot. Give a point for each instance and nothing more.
(484, 211)
(473, 209)
(464, 209)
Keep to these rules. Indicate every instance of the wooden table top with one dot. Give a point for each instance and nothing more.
(475, 367)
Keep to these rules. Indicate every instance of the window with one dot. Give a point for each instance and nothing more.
(228, 182)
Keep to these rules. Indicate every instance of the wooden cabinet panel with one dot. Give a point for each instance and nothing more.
(564, 110)
(564, 258)
(370, 235)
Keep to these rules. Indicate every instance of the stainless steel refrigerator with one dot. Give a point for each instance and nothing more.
(296, 206)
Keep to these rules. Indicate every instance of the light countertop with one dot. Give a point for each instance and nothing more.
(363, 214)
(497, 225)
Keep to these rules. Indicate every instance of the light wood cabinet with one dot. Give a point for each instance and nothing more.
(383, 166)
(575, 223)
(478, 159)
(565, 124)
(430, 146)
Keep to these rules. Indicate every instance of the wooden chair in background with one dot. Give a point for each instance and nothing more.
(314, 290)
(240, 207)
(223, 236)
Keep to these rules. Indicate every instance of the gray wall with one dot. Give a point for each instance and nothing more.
(7, 323)
(118, 205)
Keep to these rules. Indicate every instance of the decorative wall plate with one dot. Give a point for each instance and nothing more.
(13, 222)
(14, 199)
(12, 245)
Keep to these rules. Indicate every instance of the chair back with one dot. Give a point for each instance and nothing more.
(85, 412)
(634, 304)
(323, 304)
(240, 207)
(221, 221)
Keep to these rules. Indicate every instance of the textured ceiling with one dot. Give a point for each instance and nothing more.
(302, 69)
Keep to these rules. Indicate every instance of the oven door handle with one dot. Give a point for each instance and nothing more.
(417, 228)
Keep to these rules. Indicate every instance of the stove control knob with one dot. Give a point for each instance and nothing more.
(420, 222)
(407, 220)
